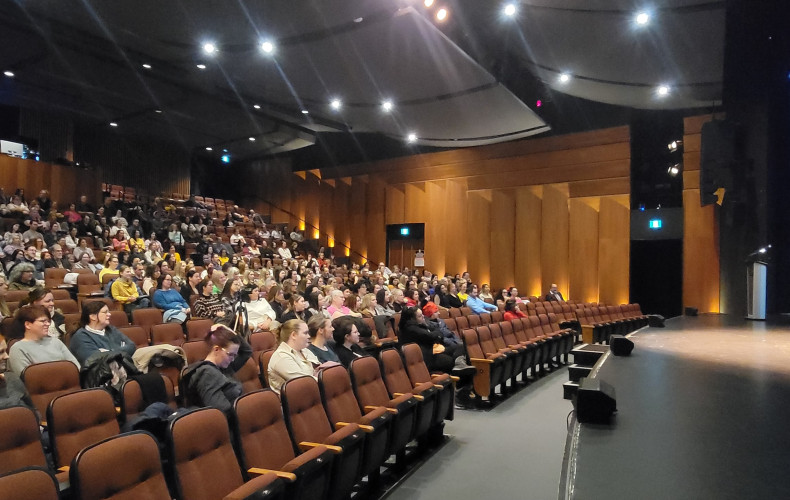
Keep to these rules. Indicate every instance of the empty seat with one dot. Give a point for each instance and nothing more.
(136, 334)
(249, 376)
(486, 340)
(167, 333)
(418, 374)
(146, 317)
(36, 483)
(398, 383)
(262, 341)
(197, 329)
(46, 381)
(120, 467)
(196, 350)
(205, 465)
(309, 426)
(79, 419)
(490, 367)
(263, 443)
(20, 441)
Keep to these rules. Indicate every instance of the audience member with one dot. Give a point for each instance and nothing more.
(36, 346)
(96, 334)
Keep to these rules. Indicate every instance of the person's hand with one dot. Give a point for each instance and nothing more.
(221, 314)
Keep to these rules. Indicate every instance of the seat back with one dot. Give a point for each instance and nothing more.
(451, 324)
(368, 385)
(485, 318)
(263, 364)
(486, 341)
(395, 377)
(337, 395)
(466, 311)
(197, 329)
(472, 343)
(53, 276)
(497, 316)
(118, 319)
(46, 381)
(496, 336)
(304, 413)
(262, 341)
(474, 320)
(462, 323)
(455, 312)
(146, 317)
(136, 334)
(202, 456)
(36, 483)
(248, 375)
(167, 333)
(415, 364)
(196, 350)
(20, 440)
(79, 419)
(120, 467)
(261, 432)
(133, 401)
(508, 333)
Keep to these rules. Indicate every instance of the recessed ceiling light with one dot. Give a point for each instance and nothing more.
(565, 78)
(256, 106)
(209, 148)
(9, 74)
(157, 111)
(267, 47)
(642, 18)
(201, 66)
(510, 10)
(359, 20)
(209, 48)
(335, 104)
(305, 112)
(252, 139)
(113, 124)
(441, 14)
(411, 137)
(147, 66)
(662, 90)
(386, 105)
(428, 3)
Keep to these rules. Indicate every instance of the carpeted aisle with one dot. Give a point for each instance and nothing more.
(513, 451)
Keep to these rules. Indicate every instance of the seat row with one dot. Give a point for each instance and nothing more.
(317, 441)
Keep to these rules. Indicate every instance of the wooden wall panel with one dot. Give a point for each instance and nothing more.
(529, 216)
(457, 231)
(554, 237)
(415, 203)
(395, 203)
(502, 238)
(583, 250)
(700, 254)
(478, 248)
(326, 214)
(375, 221)
(311, 204)
(357, 213)
(436, 227)
(614, 249)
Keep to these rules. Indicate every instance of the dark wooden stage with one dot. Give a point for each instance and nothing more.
(703, 413)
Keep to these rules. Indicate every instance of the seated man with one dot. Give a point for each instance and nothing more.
(554, 293)
(477, 305)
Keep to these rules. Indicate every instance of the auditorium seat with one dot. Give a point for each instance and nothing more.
(308, 426)
(67, 306)
(167, 333)
(418, 373)
(196, 350)
(119, 468)
(197, 329)
(490, 367)
(474, 320)
(455, 312)
(488, 345)
(462, 323)
(204, 462)
(262, 341)
(53, 276)
(79, 419)
(263, 363)
(136, 334)
(146, 317)
(342, 408)
(397, 382)
(249, 376)
(451, 325)
(517, 352)
(132, 400)
(20, 441)
(371, 393)
(46, 381)
(263, 443)
(36, 483)
(512, 341)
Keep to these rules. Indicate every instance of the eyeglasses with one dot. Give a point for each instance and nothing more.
(231, 355)
(44, 321)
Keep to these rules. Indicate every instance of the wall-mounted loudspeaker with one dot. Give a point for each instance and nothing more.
(620, 346)
(595, 401)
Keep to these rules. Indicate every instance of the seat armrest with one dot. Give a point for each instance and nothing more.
(306, 445)
(284, 475)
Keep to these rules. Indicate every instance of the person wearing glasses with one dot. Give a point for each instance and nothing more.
(36, 346)
(96, 334)
(210, 382)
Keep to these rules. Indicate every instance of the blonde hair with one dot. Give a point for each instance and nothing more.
(287, 328)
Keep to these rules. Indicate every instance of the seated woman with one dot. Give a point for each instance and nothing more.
(208, 305)
(383, 305)
(337, 307)
(321, 330)
(111, 263)
(412, 297)
(296, 309)
(485, 292)
(413, 329)
(43, 297)
(284, 251)
(210, 382)
(36, 346)
(151, 279)
(260, 315)
(12, 389)
(83, 248)
(231, 297)
(5, 311)
(96, 334)
(346, 338)
(275, 297)
(512, 311)
(292, 358)
(367, 307)
(452, 296)
(125, 291)
(22, 277)
(176, 309)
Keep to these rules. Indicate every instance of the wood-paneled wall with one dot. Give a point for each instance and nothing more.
(65, 184)
(700, 228)
(526, 213)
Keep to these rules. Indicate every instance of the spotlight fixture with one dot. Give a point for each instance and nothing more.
(510, 10)
(305, 112)
(252, 139)
(441, 14)
(662, 90)
(147, 66)
(673, 146)
(158, 111)
(564, 78)
(9, 74)
(209, 148)
(386, 106)
(209, 48)
(256, 106)
(201, 66)
(674, 170)
(335, 104)
(642, 18)
(113, 124)
(428, 3)
(412, 137)
(267, 47)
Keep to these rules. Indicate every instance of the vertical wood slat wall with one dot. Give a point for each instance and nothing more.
(526, 213)
(700, 228)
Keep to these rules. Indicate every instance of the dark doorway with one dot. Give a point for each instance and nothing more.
(657, 276)
(403, 242)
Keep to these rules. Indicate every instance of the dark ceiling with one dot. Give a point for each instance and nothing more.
(473, 79)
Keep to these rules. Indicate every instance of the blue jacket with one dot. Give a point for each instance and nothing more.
(169, 299)
(479, 306)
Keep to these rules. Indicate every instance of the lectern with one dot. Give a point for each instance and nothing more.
(756, 276)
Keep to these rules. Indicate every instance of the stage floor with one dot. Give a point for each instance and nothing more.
(703, 412)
